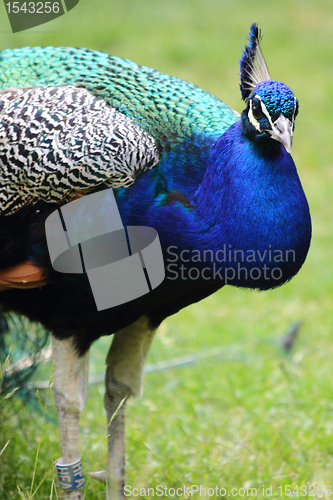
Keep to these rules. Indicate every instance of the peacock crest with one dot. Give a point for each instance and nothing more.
(252, 64)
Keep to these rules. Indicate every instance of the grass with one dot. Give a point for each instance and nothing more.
(251, 416)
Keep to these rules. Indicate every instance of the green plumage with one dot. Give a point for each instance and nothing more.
(166, 107)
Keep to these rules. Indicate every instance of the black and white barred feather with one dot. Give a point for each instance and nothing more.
(56, 142)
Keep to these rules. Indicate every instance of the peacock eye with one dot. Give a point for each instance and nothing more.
(256, 109)
(296, 109)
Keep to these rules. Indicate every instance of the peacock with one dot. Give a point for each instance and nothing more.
(220, 189)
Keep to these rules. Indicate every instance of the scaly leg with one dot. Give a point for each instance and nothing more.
(125, 362)
(70, 385)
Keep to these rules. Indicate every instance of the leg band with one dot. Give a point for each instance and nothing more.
(70, 476)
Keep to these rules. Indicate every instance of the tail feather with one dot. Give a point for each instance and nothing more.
(21, 347)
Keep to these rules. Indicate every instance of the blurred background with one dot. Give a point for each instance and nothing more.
(241, 411)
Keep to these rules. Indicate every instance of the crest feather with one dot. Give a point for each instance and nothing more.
(252, 64)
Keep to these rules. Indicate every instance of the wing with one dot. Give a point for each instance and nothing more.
(59, 142)
(183, 119)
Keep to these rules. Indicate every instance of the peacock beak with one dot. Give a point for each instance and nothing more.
(282, 131)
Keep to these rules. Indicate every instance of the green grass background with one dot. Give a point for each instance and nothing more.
(250, 416)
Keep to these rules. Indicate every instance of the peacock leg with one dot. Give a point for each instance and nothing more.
(70, 385)
(125, 362)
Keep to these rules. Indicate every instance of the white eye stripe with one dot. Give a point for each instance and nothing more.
(265, 111)
(251, 117)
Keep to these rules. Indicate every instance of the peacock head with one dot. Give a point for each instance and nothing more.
(271, 111)
(271, 107)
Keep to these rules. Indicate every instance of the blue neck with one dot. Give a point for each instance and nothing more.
(250, 202)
